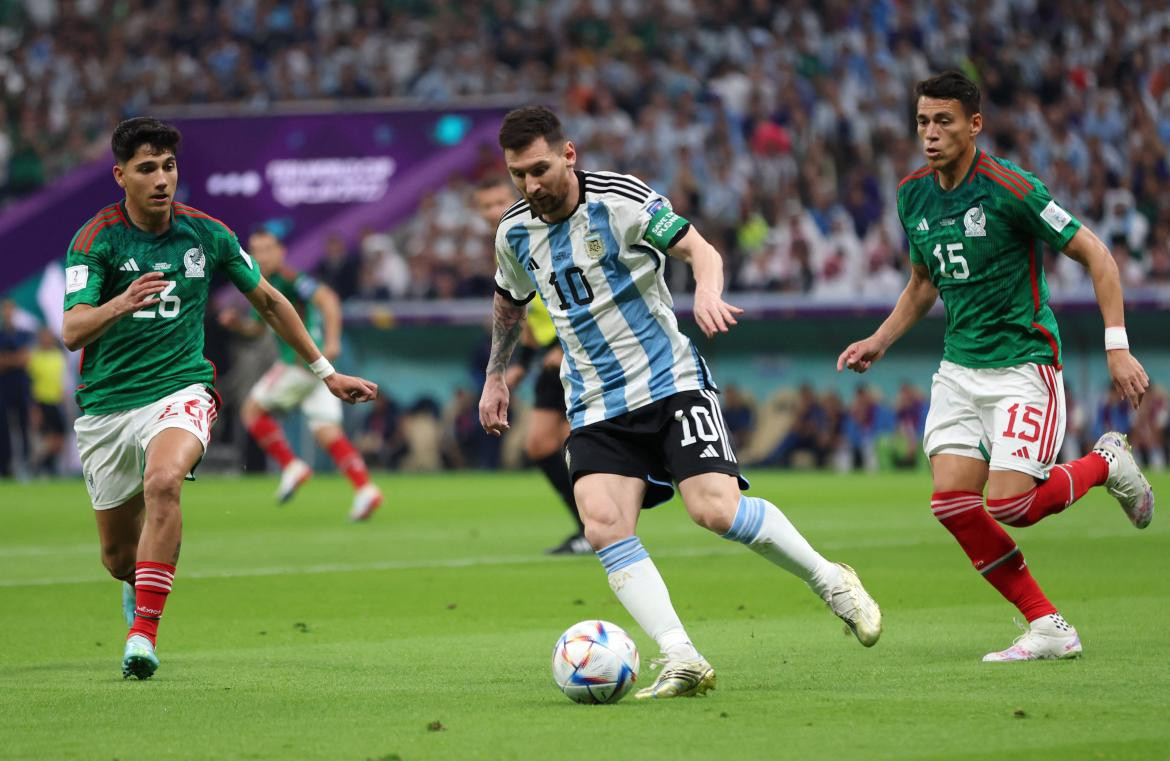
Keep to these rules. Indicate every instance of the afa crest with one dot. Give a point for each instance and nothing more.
(593, 246)
(195, 262)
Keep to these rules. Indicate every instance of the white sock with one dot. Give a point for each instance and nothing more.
(766, 531)
(640, 588)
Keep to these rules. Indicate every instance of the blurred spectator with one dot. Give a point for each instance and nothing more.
(1151, 423)
(1114, 413)
(738, 415)
(339, 269)
(46, 370)
(14, 388)
(910, 415)
(382, 440)
(868, 421)
(809, 432)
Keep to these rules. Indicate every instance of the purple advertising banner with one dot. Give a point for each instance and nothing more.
(312, 174)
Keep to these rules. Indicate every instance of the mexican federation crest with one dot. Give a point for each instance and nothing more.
(195, 262)
(975, 222)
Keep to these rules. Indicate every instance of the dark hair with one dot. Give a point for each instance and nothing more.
(132, 134)
(951, 85)
(524, 125)
(492, 181)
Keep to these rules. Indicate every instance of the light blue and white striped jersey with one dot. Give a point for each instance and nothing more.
(602, 282)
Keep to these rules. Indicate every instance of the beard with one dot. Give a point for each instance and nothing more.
(547, 202)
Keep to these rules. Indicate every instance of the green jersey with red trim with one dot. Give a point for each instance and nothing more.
(299, 289)
(980, 242)
(158, 350)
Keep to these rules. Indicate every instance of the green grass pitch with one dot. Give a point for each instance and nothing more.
(426, 634)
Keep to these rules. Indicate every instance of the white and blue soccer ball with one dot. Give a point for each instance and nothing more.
(595, 662)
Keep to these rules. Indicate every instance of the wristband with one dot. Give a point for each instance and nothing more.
(321, 368)
(1115, 338)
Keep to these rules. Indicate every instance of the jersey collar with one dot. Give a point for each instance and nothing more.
(970, 175)
(138, 231)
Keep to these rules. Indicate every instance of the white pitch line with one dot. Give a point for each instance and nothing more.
(468, 562)
(385, 565)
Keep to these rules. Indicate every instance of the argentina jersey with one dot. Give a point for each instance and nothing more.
(599, 272)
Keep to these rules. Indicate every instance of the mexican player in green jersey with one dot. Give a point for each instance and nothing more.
(137, 280)
(976, 224)
(289, 384)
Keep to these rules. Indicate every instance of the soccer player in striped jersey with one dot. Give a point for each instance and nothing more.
(547, 427)
(289, 384)
(137, 279)
(997, 409)
(641, 403)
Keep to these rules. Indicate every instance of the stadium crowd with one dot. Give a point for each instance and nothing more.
(781, 128)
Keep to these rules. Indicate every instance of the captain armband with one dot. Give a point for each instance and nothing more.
(665, 228)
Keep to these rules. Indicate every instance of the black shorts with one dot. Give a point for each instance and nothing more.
(52, 419)
(668, 441)
(549, 393)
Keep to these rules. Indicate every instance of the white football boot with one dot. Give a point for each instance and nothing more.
(679, 679)
(128, 602)
(139, 659)
(853, 605)
(1126, 482)
(291, 478)
(365, 502)
(1047, 638)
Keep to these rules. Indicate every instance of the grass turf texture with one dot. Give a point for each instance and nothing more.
(426, 634)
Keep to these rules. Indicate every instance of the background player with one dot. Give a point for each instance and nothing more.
(289, 383)
(146, 391)
(642, 405)
(997, 410)
(548, 427)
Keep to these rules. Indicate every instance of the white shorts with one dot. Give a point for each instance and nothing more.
(1014, 417)
(287, 386)
(113, 446)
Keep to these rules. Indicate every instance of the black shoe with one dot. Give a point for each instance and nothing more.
(575, 544)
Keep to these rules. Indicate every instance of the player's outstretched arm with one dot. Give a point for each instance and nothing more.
(507, 318)
(712, 313)
(1129, 377)
(84, 324)
(916, 300)
(275, 310)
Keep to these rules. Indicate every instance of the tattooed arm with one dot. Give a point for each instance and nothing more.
(507, 320)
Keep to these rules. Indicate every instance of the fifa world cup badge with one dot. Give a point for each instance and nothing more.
(593, 245)
(194, 261)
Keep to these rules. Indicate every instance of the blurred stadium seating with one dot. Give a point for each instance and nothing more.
(781, 129)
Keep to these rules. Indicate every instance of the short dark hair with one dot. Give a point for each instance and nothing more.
(491, 181)
(132, 134)
(951, 85)
(524, 125)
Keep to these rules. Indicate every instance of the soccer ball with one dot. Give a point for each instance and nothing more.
(595, 662)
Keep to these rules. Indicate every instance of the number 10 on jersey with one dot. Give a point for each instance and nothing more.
(577, 286)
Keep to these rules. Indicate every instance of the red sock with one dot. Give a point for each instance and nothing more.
(992, 551)
(1066, 484)
(349, 461)
(271, 439)
(152, 584)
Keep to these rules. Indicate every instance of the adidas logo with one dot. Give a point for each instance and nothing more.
(923, 225)
(1022, 452)
(532, 266)
(709, 452)
(129, 266)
